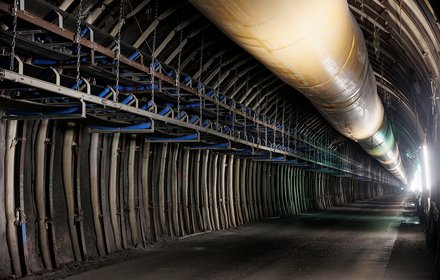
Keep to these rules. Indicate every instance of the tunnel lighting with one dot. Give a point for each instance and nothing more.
(416, 183)
(426, 167)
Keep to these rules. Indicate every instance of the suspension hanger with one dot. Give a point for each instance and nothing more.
(14, 35)
(179, 57)
(200, 86)
(153, 55)
(217, 92)
(78, 44)
(118, 48)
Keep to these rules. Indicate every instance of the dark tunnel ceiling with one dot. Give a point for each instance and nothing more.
(402, 39)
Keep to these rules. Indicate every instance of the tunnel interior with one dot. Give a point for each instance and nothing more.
(126, 124)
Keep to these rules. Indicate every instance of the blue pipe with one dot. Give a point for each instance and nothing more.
(40, 61)
(164, 111)
(194, 136)
(127, 99)
(193, 119)
(140, 126)
(134, 55)
(104, 92)
(84, 32)
(192, 105)
(149, 87)
(147, 105)
(77, 85)
(219, 146)
(205, 123)
(180, 115)
(66, 111)
(210, 93)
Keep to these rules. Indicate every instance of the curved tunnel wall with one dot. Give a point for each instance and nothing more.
(317, 47)
(70, 195)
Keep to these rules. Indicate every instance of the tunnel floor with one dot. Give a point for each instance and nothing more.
(375, 239)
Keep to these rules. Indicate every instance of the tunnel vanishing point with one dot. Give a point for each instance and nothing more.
(129, 124)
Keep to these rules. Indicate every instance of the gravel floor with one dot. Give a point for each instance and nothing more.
(376, 239)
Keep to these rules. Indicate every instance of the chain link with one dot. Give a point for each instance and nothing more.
(118, 44)
(179, 58)
(275, 123)
(217, 89)
(200, 77)
(265, 119)
(14, 35)
(376, 41)
(153, 55)
(78, 44)
(257, 123)
(283, 119)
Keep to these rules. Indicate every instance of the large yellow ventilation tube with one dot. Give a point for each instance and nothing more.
(317, 47)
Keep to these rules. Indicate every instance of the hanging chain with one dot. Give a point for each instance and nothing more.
(233, 112)
(283, 123)
(265, 119)
(78, 44)
(243, 109)
(118, 44)
(14, 35)
(257, 123)
(153, 56)
(217, 88)
(200, 77)
(179, 58)
(362, 11)
(276, 120)
(296, 128)
(289, 129)
(376, 41)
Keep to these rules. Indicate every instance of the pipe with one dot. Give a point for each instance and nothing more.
(214, 180)
(40, 193)
(222, 194)
(231, 191)
(264, 190)
(68, 189)
(145, 177)
(185, 202)
(104, 197)
(94, 193)
(196, 175)
(237, 176)
(317, 47)
(23, 163)
(113, 191)
(204, 191)
(161, 186)
(132, 191)
(243, 195)
(175, 192)
(11, 230)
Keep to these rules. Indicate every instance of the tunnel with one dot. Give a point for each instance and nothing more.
(219, 139)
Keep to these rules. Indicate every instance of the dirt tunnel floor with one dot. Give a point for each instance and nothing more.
(375, 239)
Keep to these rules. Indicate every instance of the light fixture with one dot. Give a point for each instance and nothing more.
(426, 167)
(416, 183)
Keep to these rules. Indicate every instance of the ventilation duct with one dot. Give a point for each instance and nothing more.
(317, 47)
